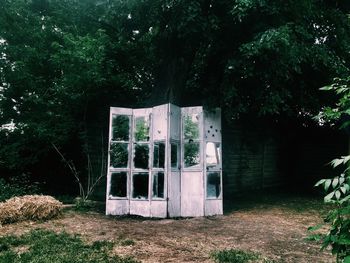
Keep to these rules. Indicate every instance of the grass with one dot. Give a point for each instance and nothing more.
(237, 256)
(43, 246)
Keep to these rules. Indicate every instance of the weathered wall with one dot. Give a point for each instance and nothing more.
(288, 158)
(250, 160)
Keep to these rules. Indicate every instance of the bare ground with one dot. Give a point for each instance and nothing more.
(276, 228)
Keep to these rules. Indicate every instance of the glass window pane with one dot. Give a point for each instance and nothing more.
(119, 155)
(213, 185)
(159, 154)
(120, 127)
(191, 127)
(141, 156)
(118, 184)
(174, 155)
(140, 186)
(158, 185)
(142, 128)
(212, 153)
(191, 154)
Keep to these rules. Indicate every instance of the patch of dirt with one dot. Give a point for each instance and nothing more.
(276, 230)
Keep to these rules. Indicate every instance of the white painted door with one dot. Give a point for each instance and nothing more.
(192, 181)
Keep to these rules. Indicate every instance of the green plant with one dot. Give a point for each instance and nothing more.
(338, 193)
(338, 188)
(127, 242)
(237, 256)
(50, 247)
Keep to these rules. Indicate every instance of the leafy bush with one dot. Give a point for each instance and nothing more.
(17, 186)
(338, 193)
(338, 188)
(49, 247)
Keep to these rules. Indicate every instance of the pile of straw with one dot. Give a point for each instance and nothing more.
(29, 207)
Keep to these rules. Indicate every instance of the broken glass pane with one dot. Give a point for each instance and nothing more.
(119, 155)
(158, 185)
(159, 155)
(174, 155)
(120, 128)
(142, 128)
(212, 153)
(213, 185)
(141, 156)
(191, 127)
(118, 184)
(192, 154)
(140, 186)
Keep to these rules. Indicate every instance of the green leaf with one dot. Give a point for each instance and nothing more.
(314, 228)
(346, 159)
(335, 182)
(347, 259)
(336, 162)
(344, 199)
(341, 180)
(327, 184)
(347, 187)
(329, 87)
(337, 194)
(328, 197)
(343, 189)
(320, 182)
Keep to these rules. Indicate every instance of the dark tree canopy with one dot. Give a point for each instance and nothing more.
(60, 61)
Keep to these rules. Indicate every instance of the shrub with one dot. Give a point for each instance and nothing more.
(338, 193)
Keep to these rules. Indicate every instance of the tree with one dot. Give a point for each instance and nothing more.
(64, 60)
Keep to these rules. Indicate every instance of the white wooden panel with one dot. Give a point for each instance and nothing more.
(196, 115)
(117, 207)
(192, 194)
(158, 209)
(174, 202)
(121, 111)
(141, 208)
(160, 122)
(142, 112)
(175, 122)
(213, 207)
(212, 125)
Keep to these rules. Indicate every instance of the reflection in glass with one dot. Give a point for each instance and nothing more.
(212, 154)
(118, 184)
(158, 185)
(141, 156)
(140, 186)
(191, 154)
(119, 155)
(142, 128)
(159, 154)
(191, 127)
(213, 185)
(120, 128)
(174, 155)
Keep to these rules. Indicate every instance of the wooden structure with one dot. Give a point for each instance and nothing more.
(164, 161)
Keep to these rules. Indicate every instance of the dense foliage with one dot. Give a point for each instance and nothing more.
(338, 188)
(61, 62)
